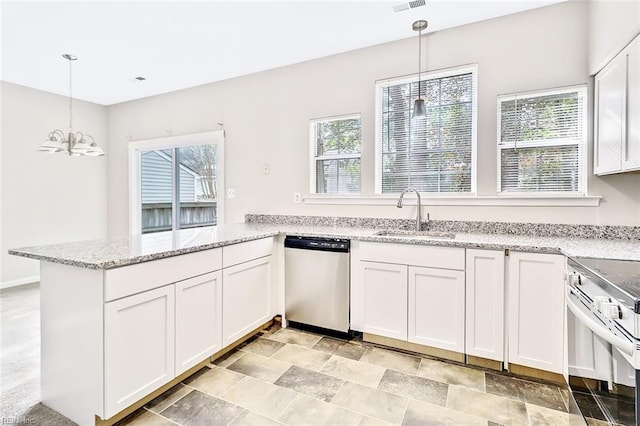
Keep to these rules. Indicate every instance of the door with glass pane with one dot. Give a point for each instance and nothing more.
(178, 188)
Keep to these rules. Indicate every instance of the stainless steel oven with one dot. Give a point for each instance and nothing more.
(603, 326)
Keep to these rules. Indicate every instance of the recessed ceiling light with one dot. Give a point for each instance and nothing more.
(140, 78)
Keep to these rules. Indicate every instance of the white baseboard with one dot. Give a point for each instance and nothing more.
(21, 281)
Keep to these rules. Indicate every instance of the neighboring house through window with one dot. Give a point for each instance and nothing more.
(436, 153)
(176, 182)
(335, 158)
(542, 140)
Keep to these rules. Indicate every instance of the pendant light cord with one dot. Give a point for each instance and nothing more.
(419, 60)
(70, 100)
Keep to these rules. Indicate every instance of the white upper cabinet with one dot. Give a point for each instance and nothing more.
(617, 113)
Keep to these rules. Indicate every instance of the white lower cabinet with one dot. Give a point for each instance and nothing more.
(415, 301)
(139, 346)
(484, 324)
(246, 298)
(436, 308)
(384, 299)
(198, 319)
(536, 309)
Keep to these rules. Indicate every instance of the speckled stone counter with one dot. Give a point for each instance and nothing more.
(113, 253)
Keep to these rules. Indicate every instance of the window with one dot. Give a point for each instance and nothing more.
(176, 182)
(335, 147)
(541, 142)
(436, 153)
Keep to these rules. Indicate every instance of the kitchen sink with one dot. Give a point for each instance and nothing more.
(427, 235)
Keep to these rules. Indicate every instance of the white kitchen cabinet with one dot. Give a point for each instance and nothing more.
(485, 284)
(383, 299)
(246, 298)
(408, 292)
(198, 319)
(617, 113)
(139, 338)
(436, 308)
(536, 310)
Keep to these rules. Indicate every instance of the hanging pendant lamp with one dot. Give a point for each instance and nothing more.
(419, 109)
(74, 144)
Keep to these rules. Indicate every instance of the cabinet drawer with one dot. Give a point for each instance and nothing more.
(132, 279)
(414, 255)
(243, 252)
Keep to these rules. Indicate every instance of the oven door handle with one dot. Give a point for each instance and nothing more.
(623, 346)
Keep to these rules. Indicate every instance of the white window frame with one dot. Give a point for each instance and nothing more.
(464, 69)
(136, 148)
(313, 158)
(582, 191)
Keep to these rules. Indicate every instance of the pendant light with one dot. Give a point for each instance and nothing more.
(418, 107)
(74, 144)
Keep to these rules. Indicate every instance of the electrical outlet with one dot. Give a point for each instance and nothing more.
(297, 198)
(231, 193)
(266, 168)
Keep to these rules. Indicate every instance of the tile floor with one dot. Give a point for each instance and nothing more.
(291, 377)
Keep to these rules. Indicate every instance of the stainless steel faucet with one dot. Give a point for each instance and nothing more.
(418, 215)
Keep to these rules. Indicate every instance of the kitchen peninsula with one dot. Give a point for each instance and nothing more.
(122, 319)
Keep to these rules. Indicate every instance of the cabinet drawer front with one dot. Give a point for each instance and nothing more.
(243, 252)
(132, 279)
(414, 255)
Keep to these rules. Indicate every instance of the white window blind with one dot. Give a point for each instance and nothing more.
(542, 142)
(335, 147)
(433, 154)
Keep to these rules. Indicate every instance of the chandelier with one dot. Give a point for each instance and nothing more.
(74, 144)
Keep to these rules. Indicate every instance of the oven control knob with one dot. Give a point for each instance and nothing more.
(573, 278)
(611, 310)
(600, 301)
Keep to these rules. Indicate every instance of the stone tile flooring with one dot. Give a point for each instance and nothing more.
(292, 377)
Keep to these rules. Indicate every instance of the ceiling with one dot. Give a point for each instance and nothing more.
(180, 44)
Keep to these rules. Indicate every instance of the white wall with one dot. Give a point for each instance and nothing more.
(266, 117)
(47, 198)
(612, 25)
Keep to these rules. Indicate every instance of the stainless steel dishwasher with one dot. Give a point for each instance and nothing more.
(317, 282)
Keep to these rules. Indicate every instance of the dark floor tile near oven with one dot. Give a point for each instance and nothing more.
(542, 394)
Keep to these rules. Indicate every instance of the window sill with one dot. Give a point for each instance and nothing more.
(463, 200)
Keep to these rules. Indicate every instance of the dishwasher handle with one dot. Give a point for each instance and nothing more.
(316, 243)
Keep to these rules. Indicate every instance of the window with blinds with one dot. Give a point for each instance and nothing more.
(542, 142)
(436, 153)
(335, 147)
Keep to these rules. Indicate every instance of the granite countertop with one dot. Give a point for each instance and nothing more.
(117, 252)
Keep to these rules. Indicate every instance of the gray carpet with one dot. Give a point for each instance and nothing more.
(20, 359)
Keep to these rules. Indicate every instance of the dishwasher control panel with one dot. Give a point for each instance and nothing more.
(316, 243)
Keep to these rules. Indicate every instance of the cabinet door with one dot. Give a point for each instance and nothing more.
(536, 310)
(138, 346)
(631, 154)
(383, 298)
(436, 308)
(198, 319)
(484, 331)
(609, 119)
(246, 298)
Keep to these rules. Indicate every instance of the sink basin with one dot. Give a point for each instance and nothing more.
(427, 235)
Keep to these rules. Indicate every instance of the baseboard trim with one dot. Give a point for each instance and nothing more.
(22, 281)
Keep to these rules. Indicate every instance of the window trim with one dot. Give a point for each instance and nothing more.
(313, 149)
(582, 192)
(136, 148)
(429, 75)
